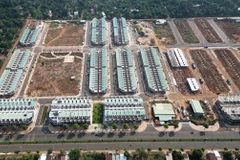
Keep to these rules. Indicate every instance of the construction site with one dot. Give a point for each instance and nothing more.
(230, 63)
(65, 35)
(209, 72)
(207, 31)
(56, 76)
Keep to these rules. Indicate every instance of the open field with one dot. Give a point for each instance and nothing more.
(209, 72)
(231, 29)
(181, 75)
(186, 31)
(230, 63)
(65, 35)
(207, 31)
(164, 33)
(52, 78)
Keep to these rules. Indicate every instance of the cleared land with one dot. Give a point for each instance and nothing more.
(207, 31)
(230, 63)
(164, 33)
(186, 31)
(65, 35)
(209, 72)
(231, 29)
(52, 78)
(181, 75)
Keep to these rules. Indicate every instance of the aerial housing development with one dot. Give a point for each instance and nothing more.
(120, 32)
(98, 33)
(102, 81)
(127, 82)
(98, 80)
(156, 81)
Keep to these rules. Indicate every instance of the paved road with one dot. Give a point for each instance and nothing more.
(219, 31)
(113, 146)
(197, 32)
(214, 45)
(175, 32)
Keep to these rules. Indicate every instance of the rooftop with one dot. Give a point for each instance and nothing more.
(196, 106)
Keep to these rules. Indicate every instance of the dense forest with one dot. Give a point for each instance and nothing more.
(14, 12)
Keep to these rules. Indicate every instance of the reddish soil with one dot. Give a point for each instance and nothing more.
(230, 63)
(231, 29)
(209, 72)
(207, 31)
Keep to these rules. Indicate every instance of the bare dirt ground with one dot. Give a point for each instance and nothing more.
(52, 78)
(207, 31)
(164, 33)
(209, 72)
(65, 35)
(230, 63)
(231, 29)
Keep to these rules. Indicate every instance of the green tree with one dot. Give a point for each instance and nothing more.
(225, 148)
(127, 154)
(228, 155)
(105, 125)
(197, 154)
(85, 126)
(115, 126)
(17, 152)
(28, 151)
(37, 151)
(165, 125)
(95, 128)
(181, 149)
(175, 124)
(74, 154)
(177, 155)
(126, 126)
(76, 126)
(159, 149)
(49, 151)
(170, 149)
(62, 151)
(24, 127)
(149, 150)
(65, 127)
(14, 128)
(135, 126)
(205, 125)
(140, 154)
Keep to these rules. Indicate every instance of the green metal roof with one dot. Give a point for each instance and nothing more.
(196, 106)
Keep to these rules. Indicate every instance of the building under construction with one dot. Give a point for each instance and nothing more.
(154, 75)
(120, 32)
(98, 78)
(125, 71)
(176, 58)
(98, 31)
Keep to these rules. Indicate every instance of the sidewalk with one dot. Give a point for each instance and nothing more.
(170, 128)
(211, 128)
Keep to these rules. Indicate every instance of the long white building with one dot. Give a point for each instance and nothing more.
(176, 58)
(71, 110)
(17, 111)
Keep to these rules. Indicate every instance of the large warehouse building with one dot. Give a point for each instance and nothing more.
(98, 78)
(125, 71)
(154, 75)
(29, 37)
(176, 58)
(229, 105)
(98, 31)
(12, 75)
(120, 31)
(163, 112)
(123, 109)
(17, 111)
(71, 110)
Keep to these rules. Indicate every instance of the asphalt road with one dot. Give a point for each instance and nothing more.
(219, 31)
(113, 146)
(175, 32)
(213, 45)
(197, 32)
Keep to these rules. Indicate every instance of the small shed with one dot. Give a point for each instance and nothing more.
(197, 108)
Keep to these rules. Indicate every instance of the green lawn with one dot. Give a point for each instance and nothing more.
(98, 109)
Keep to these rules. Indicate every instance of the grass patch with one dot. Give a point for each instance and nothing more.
(54, 25)
(164, 32)
(44, 115)
(98, 109)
